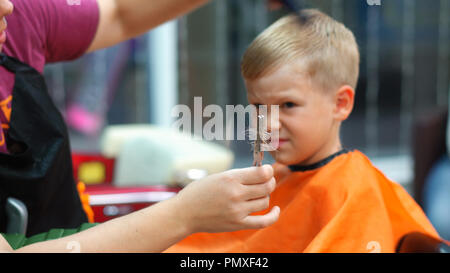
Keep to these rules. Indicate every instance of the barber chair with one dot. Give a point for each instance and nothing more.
(417, 242)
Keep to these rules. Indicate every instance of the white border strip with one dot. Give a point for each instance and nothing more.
(129, 198)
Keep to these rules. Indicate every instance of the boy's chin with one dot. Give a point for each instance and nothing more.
(285, 158)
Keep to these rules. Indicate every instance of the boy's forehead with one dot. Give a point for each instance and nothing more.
(288, 79)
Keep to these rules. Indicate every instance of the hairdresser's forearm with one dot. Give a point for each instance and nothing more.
(153, 229)
(137, 16)
(121, 20)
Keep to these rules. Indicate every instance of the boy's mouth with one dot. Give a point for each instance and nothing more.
(282, 141)
(276, 144)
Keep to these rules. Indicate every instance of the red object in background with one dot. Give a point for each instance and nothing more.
(108, 201)
(81, 160)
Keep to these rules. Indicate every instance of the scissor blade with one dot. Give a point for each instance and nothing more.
(258, 155)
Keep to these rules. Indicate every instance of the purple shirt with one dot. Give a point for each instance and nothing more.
(40, 32)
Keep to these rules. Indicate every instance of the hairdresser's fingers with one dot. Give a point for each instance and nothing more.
(257, 204)
(6, 8)
(257, 191)
(274, 4)
(262, 221)
(252, 175)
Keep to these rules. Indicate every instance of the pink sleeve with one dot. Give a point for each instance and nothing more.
(69, 27)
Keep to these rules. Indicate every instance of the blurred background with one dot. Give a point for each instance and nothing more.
(403, 85)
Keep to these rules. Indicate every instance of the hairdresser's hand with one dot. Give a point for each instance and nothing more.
(222, 202)
(274, 4)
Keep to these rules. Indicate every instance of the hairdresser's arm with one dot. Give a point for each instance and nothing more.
(121, 20)
(218, 203)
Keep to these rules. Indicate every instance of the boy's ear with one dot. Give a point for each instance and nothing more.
(344, 100)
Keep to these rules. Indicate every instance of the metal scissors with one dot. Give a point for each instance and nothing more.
(258, 154)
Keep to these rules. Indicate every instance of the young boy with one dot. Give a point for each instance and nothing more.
(331, 199)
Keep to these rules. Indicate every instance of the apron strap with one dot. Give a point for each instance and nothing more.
(12, 64)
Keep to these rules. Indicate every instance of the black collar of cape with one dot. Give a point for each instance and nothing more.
(321, 163)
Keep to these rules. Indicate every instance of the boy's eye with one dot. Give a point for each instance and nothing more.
(288, 105)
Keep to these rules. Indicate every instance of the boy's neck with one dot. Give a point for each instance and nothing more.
(323, 153)
(319, 164)
(329, 148)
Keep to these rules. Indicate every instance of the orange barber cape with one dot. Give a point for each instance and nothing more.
(342, 204)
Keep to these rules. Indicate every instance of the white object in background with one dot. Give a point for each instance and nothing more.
(163, 72)
(150, 155)
(397, 168)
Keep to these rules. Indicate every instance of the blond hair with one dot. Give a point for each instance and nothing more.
(325, 47)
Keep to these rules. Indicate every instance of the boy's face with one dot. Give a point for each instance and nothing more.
(308, 128)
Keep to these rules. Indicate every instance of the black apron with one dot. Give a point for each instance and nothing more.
(38, 170)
